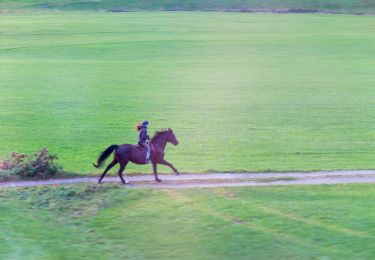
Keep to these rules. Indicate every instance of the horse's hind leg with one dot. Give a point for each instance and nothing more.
(122, 168)
(113, 163)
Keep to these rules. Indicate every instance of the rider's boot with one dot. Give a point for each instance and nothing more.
(148, 160)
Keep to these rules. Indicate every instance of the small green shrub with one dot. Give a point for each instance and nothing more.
(39, 165)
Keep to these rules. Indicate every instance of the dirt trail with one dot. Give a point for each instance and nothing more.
(220, 179)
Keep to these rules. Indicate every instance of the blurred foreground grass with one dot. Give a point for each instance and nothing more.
(113, 222)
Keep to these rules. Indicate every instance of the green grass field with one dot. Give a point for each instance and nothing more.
(250, 92)
(341, 6)
(110, 222)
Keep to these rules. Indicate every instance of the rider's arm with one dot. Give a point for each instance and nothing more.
(146, 135)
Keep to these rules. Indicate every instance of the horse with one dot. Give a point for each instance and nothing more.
(125, 153)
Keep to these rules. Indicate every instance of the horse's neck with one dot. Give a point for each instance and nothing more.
(160, 142)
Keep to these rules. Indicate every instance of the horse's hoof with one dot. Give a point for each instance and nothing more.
(158, 180)
(99, 182)
(177, 173)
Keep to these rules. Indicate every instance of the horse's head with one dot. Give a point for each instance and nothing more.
(171, 137)
(165, 135)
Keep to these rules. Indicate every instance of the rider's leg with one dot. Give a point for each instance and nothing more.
(146, 146)
(148, 152)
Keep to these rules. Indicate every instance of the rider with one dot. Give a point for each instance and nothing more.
(143, 138)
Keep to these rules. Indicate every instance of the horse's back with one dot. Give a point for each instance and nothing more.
(130, 152)
(125, 148)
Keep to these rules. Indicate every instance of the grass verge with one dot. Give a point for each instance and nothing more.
(110, 221)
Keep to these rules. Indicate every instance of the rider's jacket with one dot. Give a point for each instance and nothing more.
(142, 136)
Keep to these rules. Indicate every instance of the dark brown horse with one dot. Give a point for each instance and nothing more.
(133, 153)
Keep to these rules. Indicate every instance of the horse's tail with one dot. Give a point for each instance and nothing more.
(105, 155)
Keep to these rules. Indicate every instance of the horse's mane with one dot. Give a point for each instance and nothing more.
(159, 133)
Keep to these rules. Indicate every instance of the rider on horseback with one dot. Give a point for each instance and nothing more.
(143, 138)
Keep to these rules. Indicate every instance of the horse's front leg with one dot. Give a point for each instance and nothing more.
(155, 168)
(164, 162)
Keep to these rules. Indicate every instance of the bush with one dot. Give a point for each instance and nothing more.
(39, 165)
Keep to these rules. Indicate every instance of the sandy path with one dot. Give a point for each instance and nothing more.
(221, 179)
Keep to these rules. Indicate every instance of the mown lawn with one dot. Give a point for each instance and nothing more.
(113, 222)
(249, 92)
(340, 6)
